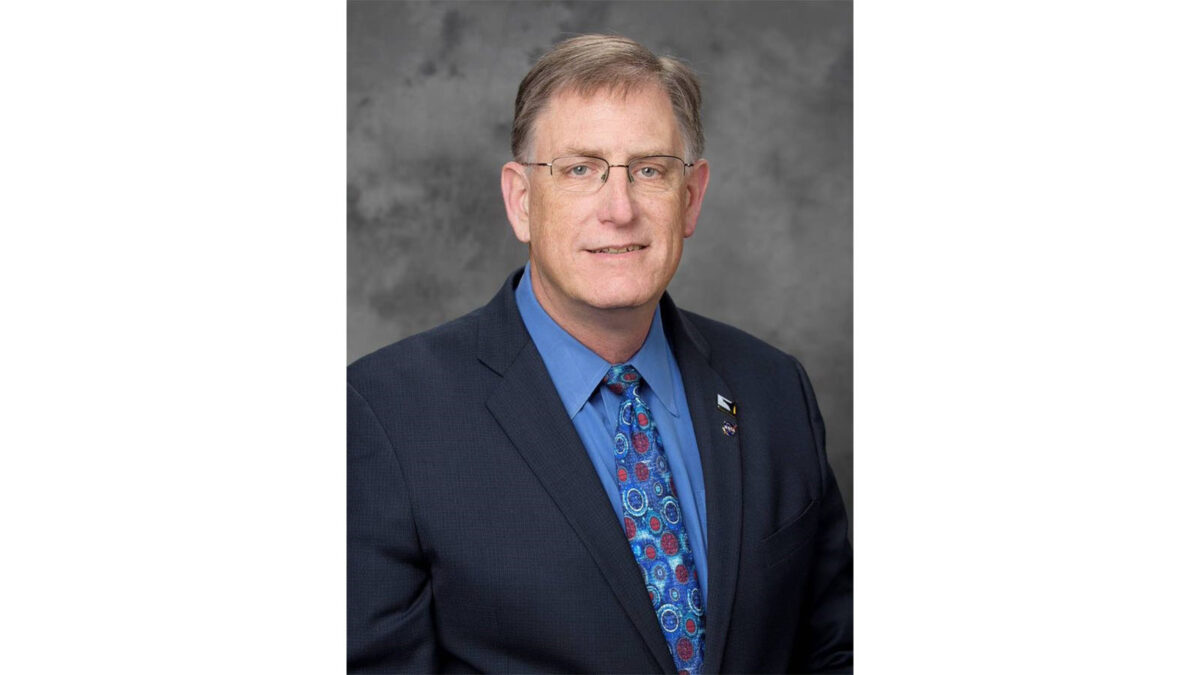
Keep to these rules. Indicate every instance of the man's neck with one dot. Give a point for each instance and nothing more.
(613, 334)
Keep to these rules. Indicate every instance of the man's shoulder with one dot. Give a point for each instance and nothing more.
(433, 349)
(735, 347)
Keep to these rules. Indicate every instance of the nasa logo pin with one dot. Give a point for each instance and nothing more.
(729, 429)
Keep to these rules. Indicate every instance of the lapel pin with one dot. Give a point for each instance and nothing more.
(729, 429)
(726, 405)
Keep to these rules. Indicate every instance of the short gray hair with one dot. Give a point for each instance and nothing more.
(589, 63)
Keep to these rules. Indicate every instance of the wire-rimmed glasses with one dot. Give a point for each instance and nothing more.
(580, 173)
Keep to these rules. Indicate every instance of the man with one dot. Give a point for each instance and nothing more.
(580, 477)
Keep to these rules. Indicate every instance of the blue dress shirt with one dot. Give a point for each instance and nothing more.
(577, 373)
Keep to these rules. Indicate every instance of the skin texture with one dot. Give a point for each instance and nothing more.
(606, 301)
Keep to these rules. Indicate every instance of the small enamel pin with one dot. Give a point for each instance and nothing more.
(726, 405)
(729, 429)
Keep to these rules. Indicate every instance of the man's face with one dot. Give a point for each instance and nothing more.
(572, 235)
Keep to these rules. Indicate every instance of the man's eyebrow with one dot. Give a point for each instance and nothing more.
(572, 151)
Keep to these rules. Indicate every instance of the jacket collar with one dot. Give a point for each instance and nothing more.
(502, 333)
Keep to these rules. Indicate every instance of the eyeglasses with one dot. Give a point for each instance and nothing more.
(656, 173)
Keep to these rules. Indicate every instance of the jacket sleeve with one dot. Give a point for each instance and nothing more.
(389, 613)
(825, 643)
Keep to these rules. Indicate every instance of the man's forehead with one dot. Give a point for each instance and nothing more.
(596, 121)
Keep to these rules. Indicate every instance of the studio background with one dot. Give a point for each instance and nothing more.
(429, 111)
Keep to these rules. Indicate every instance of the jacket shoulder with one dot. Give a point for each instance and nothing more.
(440, 348)
(736, 349)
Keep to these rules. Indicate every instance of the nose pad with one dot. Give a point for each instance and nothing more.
(628, 175)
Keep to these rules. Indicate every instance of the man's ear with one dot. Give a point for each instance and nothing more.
(697, 184)
(514, 183)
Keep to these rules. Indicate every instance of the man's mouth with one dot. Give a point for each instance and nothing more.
(617, 249)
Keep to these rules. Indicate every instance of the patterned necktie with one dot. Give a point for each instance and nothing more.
(654, 523)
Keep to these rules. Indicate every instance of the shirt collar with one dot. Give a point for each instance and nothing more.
(576, 370)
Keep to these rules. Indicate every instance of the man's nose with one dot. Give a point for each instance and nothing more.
(616, 200)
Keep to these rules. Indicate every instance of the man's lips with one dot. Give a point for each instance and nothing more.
(616, 250)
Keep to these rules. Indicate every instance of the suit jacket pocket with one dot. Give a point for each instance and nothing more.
(792, 536)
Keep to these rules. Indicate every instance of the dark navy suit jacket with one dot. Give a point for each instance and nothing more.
(481, 539)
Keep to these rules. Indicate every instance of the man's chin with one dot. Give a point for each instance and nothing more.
(620, 301)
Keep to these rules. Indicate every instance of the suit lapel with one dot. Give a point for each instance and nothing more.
(720, 457)
(551, 447)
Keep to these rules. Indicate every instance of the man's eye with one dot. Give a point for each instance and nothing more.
(649, 172)
(579, 170)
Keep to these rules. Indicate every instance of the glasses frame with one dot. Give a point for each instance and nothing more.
(610, 165)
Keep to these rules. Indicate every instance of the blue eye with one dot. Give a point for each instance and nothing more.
(652, 171)
(582, 169)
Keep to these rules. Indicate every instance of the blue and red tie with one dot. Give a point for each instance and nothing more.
(654, 523)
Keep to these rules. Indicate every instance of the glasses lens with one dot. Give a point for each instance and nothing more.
(657, 173)
(579, 174)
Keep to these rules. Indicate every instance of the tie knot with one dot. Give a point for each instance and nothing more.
(620, 378)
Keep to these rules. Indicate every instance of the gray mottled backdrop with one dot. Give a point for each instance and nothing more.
(430, 95)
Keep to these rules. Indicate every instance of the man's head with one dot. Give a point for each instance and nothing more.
(592, 63)
(609, 98)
